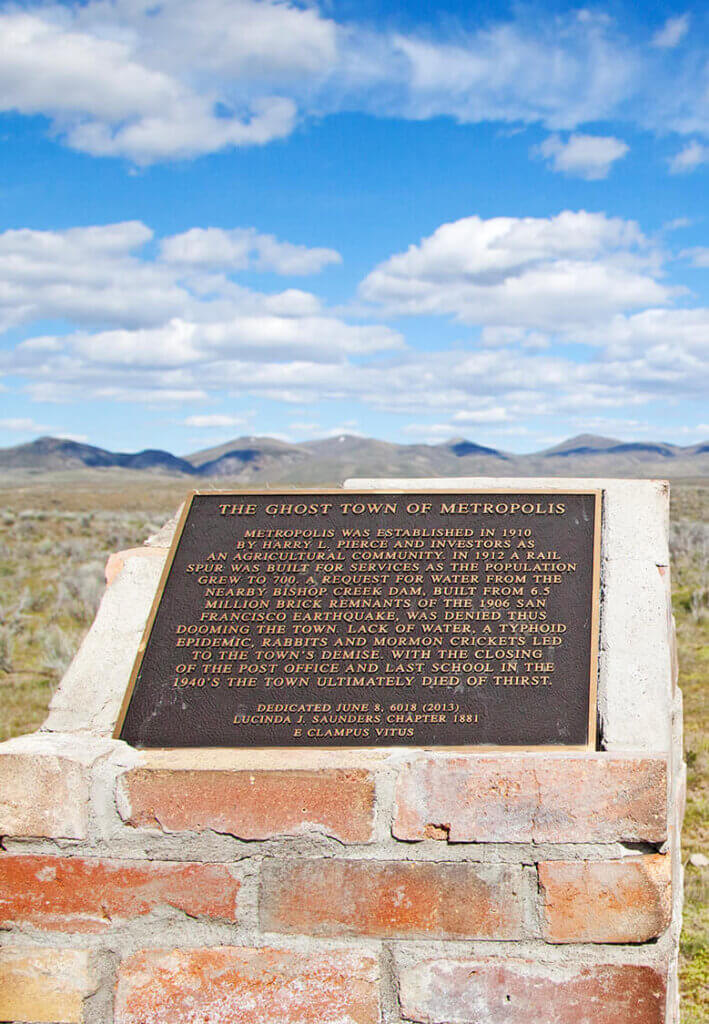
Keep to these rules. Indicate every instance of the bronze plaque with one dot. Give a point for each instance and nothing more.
(343, 619)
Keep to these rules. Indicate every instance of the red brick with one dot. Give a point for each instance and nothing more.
(527, 992)
(43, 795)
(252, 805)
(606, 901)
(247, 986)
(82, 895)
(395, 898)
(533, 798)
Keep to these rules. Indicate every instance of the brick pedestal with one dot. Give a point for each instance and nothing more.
(352, 887)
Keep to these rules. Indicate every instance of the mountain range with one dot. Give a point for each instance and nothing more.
(253, 460)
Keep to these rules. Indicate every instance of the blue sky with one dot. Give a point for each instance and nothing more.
(405, 220)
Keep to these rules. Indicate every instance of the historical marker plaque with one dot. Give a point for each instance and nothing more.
(343, 619)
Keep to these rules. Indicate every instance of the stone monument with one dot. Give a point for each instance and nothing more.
(406, 751)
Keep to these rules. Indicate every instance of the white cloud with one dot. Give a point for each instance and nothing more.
(658, 329)
(73, 382)
(494, 414)
(693, 155)
(210, 421)
(672, 32)
(188, 130)
(87, 275)
(264, 339)
(96, 276)
(161, 329)
(677, 224)
(646, 357)
(342, 431)
(48, 67)
(492, 337)
(240, 248)
(561, 71)
(23, 425)
(252, 39)
(149, 82)
(534, 273)
(698, 256)
(27, 425)
(585, 156)
(432, 433)
(145, 330)
(129, 79)
(458, 426)
(292, 302)
(309, 429)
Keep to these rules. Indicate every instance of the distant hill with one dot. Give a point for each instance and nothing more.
(266, 460)
(57, 453)
(249, 457)
(583, 444)
(335, 458)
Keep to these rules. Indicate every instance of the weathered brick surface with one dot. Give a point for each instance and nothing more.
(395, 898)
(43, 795)
(89, 895)
(247, 986)
(252, 805)
(43, 985)
(606, 901)
(526, 992)
(533, 798)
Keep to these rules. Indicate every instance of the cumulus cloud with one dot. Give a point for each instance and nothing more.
(128, 79)
(252, 39)
(656, 330)
(188, 130)
(85, 275)
(585, 156)
(47, 66)
(147, 329)
(534, 273)
(264, 338)
(96, 276)
(503, 385)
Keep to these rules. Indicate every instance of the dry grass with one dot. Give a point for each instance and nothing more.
(55, 535)
(51, 580)
(690, 569)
